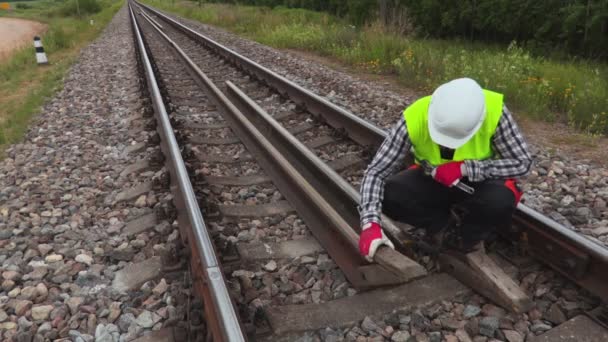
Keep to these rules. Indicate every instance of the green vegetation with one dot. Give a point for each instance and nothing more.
(356, 11)
(575, 92)
(578, 27)
(72, 8)
(23, 84)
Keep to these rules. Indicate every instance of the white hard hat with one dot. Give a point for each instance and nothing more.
(456, 112)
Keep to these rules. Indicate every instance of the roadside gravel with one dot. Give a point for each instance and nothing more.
(63, 239)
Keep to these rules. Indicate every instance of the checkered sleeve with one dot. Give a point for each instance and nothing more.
(390, 156)
(513, 158)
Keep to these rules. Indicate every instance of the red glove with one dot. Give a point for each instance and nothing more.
(371, 238)
(512, 185)
(448, 174)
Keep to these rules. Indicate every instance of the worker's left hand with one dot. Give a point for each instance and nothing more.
(448, 174)
(371, 238)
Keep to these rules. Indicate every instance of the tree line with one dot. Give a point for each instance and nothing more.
(356, 11)
(579, 27)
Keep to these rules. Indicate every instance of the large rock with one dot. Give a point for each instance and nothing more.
(74, 303)
(107, 333)
(488, 325)
(42, 312)
(471, 311)
(400, 336)
(555, 315)
(21, 307)
(513, 336)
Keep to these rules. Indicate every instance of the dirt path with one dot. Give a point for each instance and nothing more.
(15, 33)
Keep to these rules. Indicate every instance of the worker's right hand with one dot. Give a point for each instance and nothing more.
(371, 238)
(448, 174)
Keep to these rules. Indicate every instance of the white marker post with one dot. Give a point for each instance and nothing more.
(40, 55)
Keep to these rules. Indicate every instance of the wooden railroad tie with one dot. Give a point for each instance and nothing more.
(481, 273)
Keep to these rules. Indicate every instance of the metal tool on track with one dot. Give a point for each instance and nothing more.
(428, 170)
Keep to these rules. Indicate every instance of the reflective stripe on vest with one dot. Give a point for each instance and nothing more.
(479, 147)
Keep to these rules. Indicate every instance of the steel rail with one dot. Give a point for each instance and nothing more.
(150, 19)
(344, 197)
(222, 318)
(583, 261)
(576, 257)
(330, 227)
(358, 129)
(332, 187)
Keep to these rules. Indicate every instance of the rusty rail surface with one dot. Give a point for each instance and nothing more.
(209, 281)
(569, 253)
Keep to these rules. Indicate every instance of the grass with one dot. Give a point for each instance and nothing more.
(573, 92)
(24, 86)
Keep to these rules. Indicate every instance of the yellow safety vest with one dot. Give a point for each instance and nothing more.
(479, 147)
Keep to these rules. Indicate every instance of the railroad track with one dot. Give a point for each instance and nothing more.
(303, 156)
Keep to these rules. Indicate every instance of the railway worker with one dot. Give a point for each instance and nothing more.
(468, 135)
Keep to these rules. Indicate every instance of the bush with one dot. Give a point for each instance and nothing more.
(576, 26)
(295, 36)
(72, 8)
(23, 6)
(576, 93)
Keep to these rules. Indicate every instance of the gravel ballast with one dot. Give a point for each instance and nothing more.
(66, 225)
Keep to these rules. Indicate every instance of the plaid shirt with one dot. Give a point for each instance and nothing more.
(513, 160)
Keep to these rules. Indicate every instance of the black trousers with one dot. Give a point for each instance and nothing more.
(417, 199)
